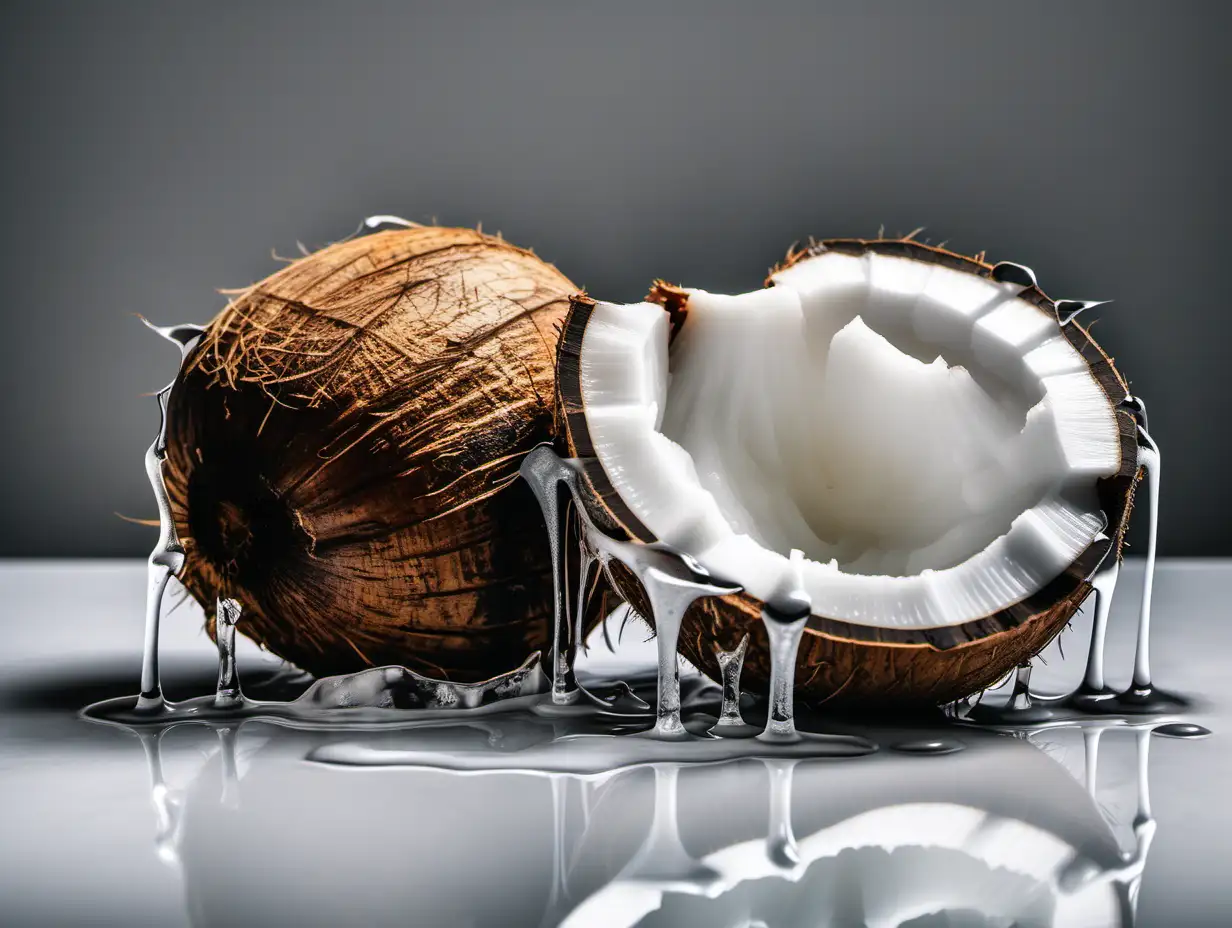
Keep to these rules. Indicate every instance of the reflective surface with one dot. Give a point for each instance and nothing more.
(237, 824)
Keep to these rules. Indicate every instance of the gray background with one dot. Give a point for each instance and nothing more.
(155, 152)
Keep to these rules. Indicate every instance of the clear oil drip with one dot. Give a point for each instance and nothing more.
(1143, 697)
(167, 558)
(671, 583)
(228, 694)
(544, 474)
(1094, 690)
(784, 618)
(731, 723)
(1093, 695)
(1022, 707)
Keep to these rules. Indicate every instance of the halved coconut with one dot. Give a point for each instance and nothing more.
(938, 437)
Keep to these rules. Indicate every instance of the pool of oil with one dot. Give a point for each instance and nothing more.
(481, 819)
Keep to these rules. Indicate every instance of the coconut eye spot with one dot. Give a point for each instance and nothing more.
(902, 423)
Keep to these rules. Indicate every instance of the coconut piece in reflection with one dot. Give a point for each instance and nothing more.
(996, 834)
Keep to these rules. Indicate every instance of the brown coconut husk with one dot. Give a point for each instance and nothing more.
(839, 661)
(343, 451)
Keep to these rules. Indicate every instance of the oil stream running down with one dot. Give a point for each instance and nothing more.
(1093, 695)
(167, 558)
(673, 582)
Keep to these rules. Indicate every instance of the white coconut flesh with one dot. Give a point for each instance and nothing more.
(929, 441)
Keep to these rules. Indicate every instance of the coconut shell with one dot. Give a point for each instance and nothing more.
(840, 661)
(343, 451)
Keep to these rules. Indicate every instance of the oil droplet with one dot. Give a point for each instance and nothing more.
(1181, 730)
(928, 746)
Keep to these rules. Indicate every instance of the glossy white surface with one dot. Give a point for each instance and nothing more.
(279, 840)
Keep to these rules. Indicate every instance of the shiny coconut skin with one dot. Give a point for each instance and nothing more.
(839, 661)
(343, 452)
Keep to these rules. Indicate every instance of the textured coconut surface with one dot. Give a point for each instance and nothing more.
(343, 452)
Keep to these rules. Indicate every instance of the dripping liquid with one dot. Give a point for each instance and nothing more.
(710, 727)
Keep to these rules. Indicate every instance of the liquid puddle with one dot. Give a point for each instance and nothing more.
(375, 696)
(593, 755)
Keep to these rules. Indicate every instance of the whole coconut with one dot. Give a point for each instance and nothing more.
(343, 451)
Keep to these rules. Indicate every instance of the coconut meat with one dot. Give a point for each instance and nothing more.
(929, 441)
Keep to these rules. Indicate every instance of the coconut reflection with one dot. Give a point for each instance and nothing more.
(1012, 830)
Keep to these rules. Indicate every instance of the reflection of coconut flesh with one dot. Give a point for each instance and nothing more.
(438, 848)
(884, 867)
(898, 863)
